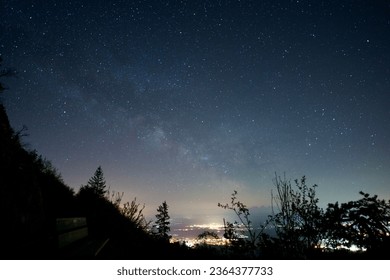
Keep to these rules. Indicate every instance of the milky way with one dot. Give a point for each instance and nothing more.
(186, 101)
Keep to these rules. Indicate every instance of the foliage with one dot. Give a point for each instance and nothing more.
(134, 213)
(96, 184)
(302, 227)
(296, 217)
(162, 223)
(207, 234)
(364, 223)
(241, 234)
(114, 197)
(32, 195)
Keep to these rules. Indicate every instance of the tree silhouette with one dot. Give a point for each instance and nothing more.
(96, 206)
(96, 184)
(32, 194)
(134, 213)
(162, 223)
(364, 223)
(296, 218)
(207, 235)
(242, 235)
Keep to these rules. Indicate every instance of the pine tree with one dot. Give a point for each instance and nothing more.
(97, 183)
(162, 223)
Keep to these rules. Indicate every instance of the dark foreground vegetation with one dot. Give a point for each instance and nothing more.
(33, 196)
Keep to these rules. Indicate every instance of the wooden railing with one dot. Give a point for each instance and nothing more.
(74, 241)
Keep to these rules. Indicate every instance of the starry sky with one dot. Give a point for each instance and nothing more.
(186, 101)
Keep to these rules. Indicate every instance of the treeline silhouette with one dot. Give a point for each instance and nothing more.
(299, 229)
(33, 196)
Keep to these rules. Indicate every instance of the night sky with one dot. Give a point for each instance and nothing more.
(186, 101)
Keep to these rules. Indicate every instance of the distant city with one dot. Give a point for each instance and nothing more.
(188, 234)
